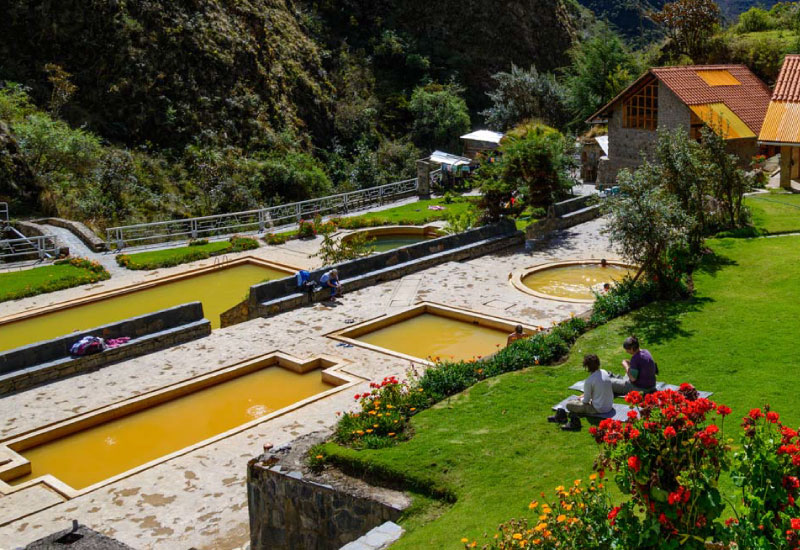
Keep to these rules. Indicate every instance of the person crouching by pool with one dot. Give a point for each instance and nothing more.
(330, 279)
(598, 397)
(640, 371)
(518, 334)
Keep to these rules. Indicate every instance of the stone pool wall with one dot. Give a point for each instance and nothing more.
(30, 365)
(288, 512)
(281, 295)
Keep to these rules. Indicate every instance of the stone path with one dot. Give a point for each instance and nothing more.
(199, 499)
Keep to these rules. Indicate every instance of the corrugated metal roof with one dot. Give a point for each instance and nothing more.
(749, 101)
(602, 141)
(718, 77)
(719, 117)
(788, 86)
(782, 124)
(484, 135)
(440, 157)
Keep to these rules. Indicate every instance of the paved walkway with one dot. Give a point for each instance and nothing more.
(199, 499)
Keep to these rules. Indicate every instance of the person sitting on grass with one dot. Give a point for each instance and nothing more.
(640, 371)
(518, 334)
(330, 279)
(598, 397)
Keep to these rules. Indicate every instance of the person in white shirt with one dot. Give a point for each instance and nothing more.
(598, 396)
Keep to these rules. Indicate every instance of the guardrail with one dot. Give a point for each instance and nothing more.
(42, 246)
(261, 220)
(4, 212)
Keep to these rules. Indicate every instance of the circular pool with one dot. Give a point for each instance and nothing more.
(391, 237)
(570, 281)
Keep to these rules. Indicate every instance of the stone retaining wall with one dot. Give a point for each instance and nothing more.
(31, 365)
(281, 295)
(288, 512)
(541, 228)
(78, 229)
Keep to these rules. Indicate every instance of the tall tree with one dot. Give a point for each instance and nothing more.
(689, 24)
(440, 116)
(523, 95)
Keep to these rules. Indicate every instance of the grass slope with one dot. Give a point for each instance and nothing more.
(40, 280)
(775, 213)
(494, 449)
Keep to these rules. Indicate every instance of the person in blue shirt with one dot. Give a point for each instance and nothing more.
(306, 284)
(330, 279)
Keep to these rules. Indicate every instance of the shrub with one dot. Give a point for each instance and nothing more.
(668, 457)
(198, 242)
(240, 244)
(306, 230)
(576, 518)
(276, 238)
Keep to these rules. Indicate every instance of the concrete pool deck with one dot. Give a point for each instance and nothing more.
(198, 499)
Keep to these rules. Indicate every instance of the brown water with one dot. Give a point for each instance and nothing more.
(574, 281)
(97, 453)
(218, 290)
(432, 336)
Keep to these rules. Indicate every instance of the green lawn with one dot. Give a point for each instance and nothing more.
(181, 255)
(785, 37)
(417, 212)
(494, 449)
(40, 280)
(775, 213)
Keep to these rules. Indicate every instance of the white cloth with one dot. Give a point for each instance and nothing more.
(598, 392)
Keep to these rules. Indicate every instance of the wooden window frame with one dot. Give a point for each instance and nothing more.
(640, 110)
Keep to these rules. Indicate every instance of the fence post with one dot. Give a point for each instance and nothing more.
(261, 221)
(193, 225)
(120, 243)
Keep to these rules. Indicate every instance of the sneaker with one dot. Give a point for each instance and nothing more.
(574, 425)
(559, 418)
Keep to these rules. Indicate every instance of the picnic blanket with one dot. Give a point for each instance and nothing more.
(660, 386)
(619, 412)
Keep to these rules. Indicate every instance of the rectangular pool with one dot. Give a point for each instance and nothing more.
(218, 290)
(101, 451)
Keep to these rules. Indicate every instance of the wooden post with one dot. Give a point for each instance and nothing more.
(786, 167)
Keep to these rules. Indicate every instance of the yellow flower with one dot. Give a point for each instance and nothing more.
(561, 518)
(374, 425)
(523, 543)
(559, 488)
(541, 527)
(577, 482)
(568, 507)
(412, 409)
(516, 536)
(537, 542)
(319, 457)
(593, 477)
(547, 534)
(369, 431)
(533, 505)
(543, 517)
(465, 540)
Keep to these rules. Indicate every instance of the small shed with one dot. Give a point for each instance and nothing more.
(480, 141)
(453, 167)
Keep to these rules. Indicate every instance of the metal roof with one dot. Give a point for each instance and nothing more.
(782, 123)
(440, 157)
(602, 141)
(484, 135)
(719, 117)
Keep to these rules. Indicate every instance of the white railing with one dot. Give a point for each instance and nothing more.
(261, 220)
(42, 247)
(4, 212)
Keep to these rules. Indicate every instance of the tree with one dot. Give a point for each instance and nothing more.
(601, 67)
(689, 24)
(536, 158)
(647, 223)
(440, 116)
(523, 95)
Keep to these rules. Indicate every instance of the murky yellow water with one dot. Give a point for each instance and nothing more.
(95, 454)
(219, 291)
(384, 243)
(574, 281)
(429, 335)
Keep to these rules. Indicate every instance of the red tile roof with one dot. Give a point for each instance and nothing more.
(749, 101)
(788, 86)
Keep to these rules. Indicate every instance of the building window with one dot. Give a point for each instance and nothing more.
(641, 109)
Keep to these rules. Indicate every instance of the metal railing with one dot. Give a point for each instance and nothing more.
(42, 247)
(3, 213)
(261, 220)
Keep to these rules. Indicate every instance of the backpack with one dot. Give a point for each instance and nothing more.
(87, 346)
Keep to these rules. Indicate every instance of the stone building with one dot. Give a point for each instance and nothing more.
(480, 141)
(781, 126)
(728, 97)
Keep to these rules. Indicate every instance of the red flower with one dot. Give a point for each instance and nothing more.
(633, 434)
(731, 521)
(669, 432)
(723, 410)
(633, 398)
(773, 417)
(632, 415)
(796, 524)
(755, 414)
(634, 463)
(662, 519)
(612, 515)
(796, 460)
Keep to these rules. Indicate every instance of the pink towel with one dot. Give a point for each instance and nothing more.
(116, 342)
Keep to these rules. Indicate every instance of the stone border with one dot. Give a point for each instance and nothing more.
(378, 538)
(350, 334)
(18, 465)
(28, 366)
(192, 272)
(516, 277)
(431, 231)
(86, 235)
(288, 512)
